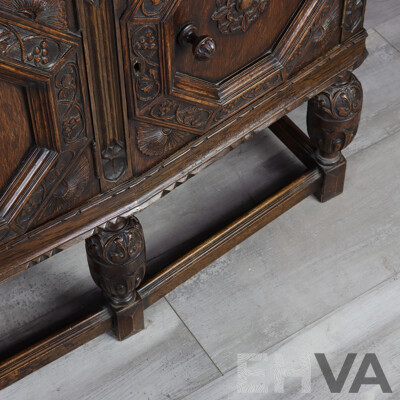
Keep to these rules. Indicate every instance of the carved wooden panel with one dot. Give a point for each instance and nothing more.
(322, 35)
(30, 47)
(239, 15)
(96, 19)
(247, 29)
(50, 168)
(69, 102)
(174, 97)
(77, 183)
(44, 12)
(353, 17)
(154, 143)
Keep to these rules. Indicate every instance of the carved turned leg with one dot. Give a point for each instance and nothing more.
(333, 118)
(117, 263)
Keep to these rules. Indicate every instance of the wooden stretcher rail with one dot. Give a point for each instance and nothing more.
(132, 197)
(97, 322)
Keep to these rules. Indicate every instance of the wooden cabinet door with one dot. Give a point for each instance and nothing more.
(45, 131)
(192, 65)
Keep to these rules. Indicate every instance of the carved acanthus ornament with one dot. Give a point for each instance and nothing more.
(334, 116)
(116, 256)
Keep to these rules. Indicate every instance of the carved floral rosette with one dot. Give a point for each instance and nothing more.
(238, 15)
(116, 256)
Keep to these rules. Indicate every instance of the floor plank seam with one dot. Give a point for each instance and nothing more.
(318, 320)
(386, 40)
(195, 338)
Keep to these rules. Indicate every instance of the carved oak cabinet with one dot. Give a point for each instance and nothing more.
(108, 105)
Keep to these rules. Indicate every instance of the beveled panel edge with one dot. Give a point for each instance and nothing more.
(156, 183)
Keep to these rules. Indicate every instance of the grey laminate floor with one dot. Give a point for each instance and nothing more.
(320, 279)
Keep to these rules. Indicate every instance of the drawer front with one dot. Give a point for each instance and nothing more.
(187, 70)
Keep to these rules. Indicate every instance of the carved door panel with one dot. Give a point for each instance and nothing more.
(45, 133)
(190, 68)
(242, 30)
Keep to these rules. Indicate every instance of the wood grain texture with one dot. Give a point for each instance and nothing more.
(138, 195)
(69, 377)
(46, 63)
(257, 39)
(54, 346)
(15, 130)
(116, 256)
(102, 54)
(177, 119)
(129, 365)
(48, 12)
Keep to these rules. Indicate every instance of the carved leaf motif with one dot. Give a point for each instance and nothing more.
(30, 208)
(75, 183)
(30, 48)
(236, 15)
(47, 12)
(333, 116)
(145, 44)
(145, 64)
(340, 102)
(73, 125)
(157, 141)
(118, 243)
(183, 114)
(70, 191)
(116, 256)
(114, 161)
(192, 116)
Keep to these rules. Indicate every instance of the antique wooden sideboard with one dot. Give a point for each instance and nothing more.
(108, 105)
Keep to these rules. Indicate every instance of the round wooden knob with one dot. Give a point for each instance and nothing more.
(204, 47)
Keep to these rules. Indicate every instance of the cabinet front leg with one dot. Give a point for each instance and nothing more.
(117, 263)
(333, 119)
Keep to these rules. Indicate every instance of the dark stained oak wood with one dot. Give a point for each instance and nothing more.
(230, 236)
(15, 131)
(109, 105)
(333, 118)
(117, 263)
(246, 31)
(128, 319)
(54, 346)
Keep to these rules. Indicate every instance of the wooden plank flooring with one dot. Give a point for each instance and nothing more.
(261, 296)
